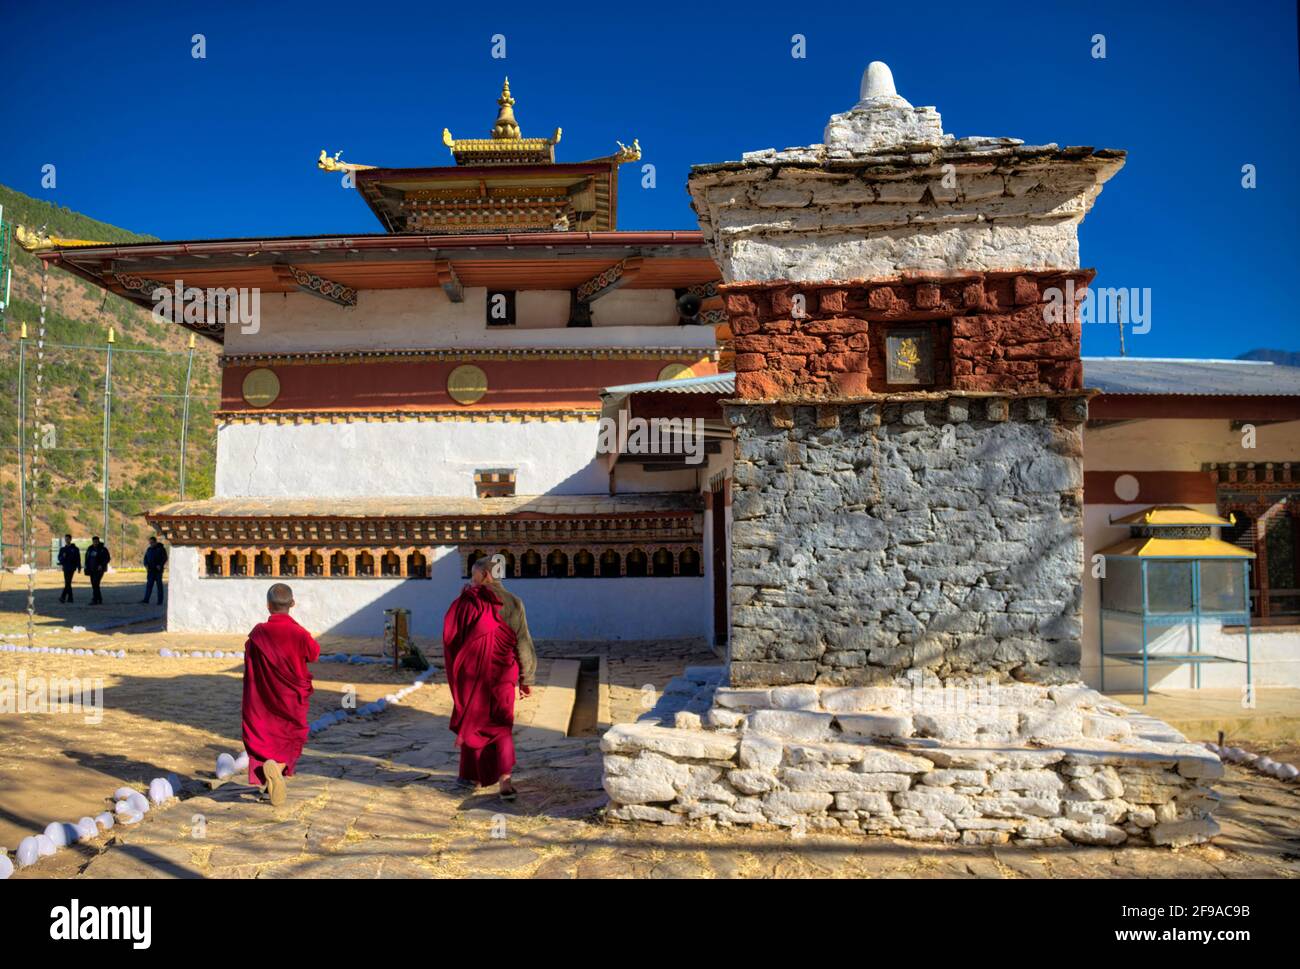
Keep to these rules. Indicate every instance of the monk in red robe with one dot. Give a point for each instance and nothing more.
(482, 664)
(277, 688)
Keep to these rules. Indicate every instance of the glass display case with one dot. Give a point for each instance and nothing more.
(1171, 571)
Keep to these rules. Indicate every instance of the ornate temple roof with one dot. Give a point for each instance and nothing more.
(500, 183)
(506, 145)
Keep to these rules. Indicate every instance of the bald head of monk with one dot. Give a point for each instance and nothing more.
(489, 569)
(279, 598)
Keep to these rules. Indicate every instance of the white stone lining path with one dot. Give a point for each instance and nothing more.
(131, 806)
(1263, 764)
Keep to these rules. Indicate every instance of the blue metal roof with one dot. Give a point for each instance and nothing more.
(1111, 375)
(1190, 378)
(719, 383)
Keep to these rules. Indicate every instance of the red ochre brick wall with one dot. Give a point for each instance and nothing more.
(990, 332)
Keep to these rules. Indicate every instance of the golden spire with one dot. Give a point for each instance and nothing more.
(505, 145)
(506, 128)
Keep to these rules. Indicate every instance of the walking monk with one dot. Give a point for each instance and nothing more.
(277, 688)
(483, 657)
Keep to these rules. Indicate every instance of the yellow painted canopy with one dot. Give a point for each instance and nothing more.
(1170, 515)
(1175, 548)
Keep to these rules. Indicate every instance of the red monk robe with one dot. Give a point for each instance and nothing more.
(483, 673)
(277, 688)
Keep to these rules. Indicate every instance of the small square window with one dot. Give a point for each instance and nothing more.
(494, 482)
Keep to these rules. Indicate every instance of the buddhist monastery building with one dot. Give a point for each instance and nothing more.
(409, 400)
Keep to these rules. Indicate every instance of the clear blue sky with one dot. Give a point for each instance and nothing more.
(148, 138)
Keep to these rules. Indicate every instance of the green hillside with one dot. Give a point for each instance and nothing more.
(145, 425)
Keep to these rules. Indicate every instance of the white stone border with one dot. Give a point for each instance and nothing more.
(1264, 765)
(64, 651)
(131, 806)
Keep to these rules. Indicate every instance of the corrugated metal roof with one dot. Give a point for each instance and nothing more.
(719, 383)
(1110, 375)
(1191, 378)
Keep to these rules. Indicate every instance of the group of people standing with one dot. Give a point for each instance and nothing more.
(95, 564)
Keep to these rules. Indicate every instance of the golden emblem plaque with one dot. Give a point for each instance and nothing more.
(674, 371)
(261, 387)
(467, 384)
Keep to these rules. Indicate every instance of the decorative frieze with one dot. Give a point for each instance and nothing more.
(968, 331)
(466, 355)
(324, 530)
(387, 416)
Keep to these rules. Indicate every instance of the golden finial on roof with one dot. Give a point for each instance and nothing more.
(626, 154)
(506, 144)
(506, 128)
(335, 164)
(34, 239)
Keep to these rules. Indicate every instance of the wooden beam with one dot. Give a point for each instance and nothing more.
(608, 280)
(449, 281)
(309, 282)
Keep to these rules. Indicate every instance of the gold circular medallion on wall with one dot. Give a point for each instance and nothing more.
(261, 387)
(467, 384)
(675, 370)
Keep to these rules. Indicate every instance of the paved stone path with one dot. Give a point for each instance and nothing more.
(376, 798)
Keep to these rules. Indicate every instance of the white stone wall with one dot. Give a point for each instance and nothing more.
(963, 762)
(1001, 212)
(393, 319)
(568, 609)
(411, 458)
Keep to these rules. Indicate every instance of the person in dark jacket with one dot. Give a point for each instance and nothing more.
(97, 559)
(155, 557)
(70, 562)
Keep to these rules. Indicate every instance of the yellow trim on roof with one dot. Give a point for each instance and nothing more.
(1175, 548)
(1171, 515)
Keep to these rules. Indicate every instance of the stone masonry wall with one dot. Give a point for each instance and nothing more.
(982, 763)
(936, 535)
(991, 332)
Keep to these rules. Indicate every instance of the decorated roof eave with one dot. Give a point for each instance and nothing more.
(334, 248)
(1175, 548)
(1171, 516)
(370, 183)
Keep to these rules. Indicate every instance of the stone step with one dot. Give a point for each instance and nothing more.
(554, 705)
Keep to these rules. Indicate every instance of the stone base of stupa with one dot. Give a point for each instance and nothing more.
(969, 761)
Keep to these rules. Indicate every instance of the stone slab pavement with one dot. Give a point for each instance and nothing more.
(375, 798)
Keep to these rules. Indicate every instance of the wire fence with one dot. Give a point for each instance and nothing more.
(99, 435)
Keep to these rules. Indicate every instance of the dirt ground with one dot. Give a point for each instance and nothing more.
(375, 796)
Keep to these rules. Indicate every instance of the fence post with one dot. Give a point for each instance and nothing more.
(185, 413)
(108, 417)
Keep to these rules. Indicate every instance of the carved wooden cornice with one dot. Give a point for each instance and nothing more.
(397, 416)
(499, 531)
(450, 354)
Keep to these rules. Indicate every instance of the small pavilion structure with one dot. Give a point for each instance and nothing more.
(1160, 583)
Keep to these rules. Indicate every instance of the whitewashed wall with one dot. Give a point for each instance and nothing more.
(407, 458)
(1183, 445)
(389, 319)
(577, 609)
